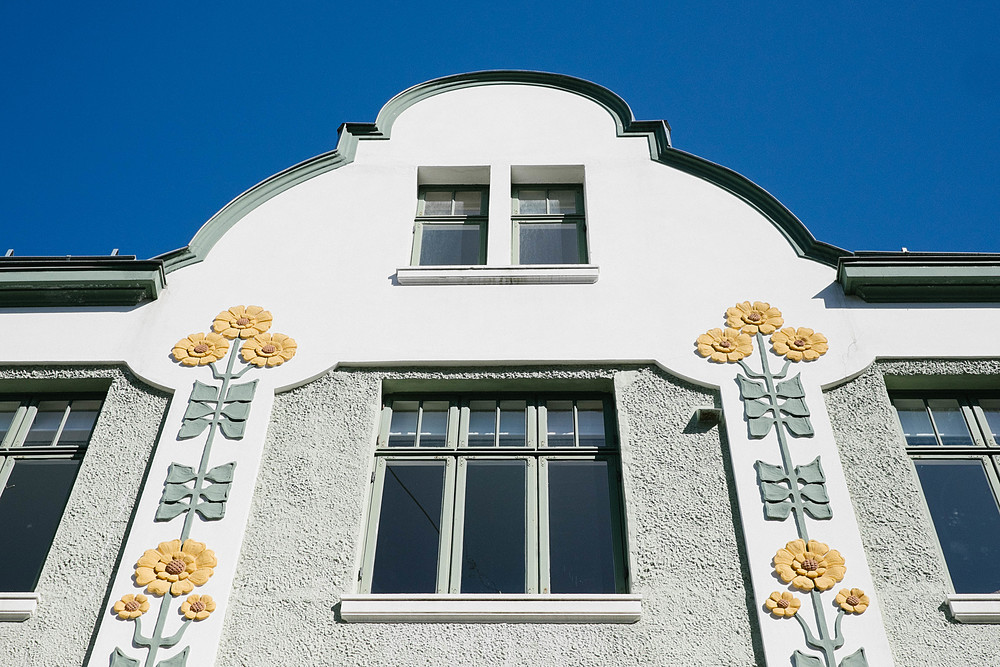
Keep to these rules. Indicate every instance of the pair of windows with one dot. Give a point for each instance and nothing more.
(42, 442)
(495, 494)
(548, 225)
(954, 441)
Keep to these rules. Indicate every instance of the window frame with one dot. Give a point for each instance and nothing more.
(421, 220)
(517, 219)
(13, 447)
(457, 453)
(984, 449)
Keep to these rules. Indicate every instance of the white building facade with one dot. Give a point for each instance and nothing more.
(505, 379)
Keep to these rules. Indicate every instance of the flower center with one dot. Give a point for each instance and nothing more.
(783, 603)
(243, 321)
(200, 348)
(725, 344)
(131, 606)
(753, 317)
(269, 349)
(198, 606)
(810, 564)
(853, 600)
(176, 566)
(799, 342)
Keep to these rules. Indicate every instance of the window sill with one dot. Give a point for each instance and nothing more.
(533, 274)
(450, 608)
(975, 607)
(17, 606)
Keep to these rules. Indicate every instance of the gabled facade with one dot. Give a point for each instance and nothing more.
(503, 379)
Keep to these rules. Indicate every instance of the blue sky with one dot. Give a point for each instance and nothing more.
(129, 125)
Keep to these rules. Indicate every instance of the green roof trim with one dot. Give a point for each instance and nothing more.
(921, 277)
(656, 132)
(115, 280)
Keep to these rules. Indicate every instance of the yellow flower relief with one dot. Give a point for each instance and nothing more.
(175, 567)
(853, 600)
(200, 349)
(198, 607)
(268, 350)
(808, 566)
(799, 344)
(782, 604)
(242, 322)
(723, 346)
(131, 606)
(751, 318)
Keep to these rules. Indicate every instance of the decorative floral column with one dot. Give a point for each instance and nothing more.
(773, 400)
(176, 567)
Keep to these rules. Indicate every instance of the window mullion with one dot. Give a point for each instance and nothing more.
(576, 427)
(531, 549)
(368, 561)
(544, 580)
(26, 421)
(6, 465)
(930, 415)
(420, 420)
(451, 577)
(983, 426)
(14, 434)
(62, 423)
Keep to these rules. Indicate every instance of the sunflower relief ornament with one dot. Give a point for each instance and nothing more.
(175, 568)
(775, 402)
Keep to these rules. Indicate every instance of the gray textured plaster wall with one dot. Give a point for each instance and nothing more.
(909, 572)
(73, 585)
(304, 533)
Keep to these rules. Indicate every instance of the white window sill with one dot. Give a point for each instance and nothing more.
(449, 608)
(975, 607)
(533, 274)
(17, 606)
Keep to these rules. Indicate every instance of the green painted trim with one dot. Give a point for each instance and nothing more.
(905, 277)
(657, 134)
(79, 281)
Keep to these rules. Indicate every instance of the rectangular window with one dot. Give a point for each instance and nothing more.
(953, 441)
(450, 227)
(549, 225)
(496, 494)
(42, 441)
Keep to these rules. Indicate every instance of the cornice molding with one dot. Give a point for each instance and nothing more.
(114, 280)
(921, 277)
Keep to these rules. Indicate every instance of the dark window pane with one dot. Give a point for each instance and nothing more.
(46, 423)
(409, 528)
(434, 424)
(513, 421)
(549, 243)
(915, 422)
(582, 545)
(967, 520)
(443, 245)
(493, 548)
(482, 423)
(559, 415)
(31, 505)
(80, 423)
(590, 417)
(403, 427)
(991, 408)
(950, 422)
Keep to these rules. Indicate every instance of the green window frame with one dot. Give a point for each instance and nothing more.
(436, 217)
(538, 440)
(528, 218)
(953, 441)
(42, 441)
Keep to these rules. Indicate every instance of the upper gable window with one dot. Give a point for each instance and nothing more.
(451, 223)
(549, 225)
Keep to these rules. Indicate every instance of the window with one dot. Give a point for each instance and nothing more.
(954, 441)
(450, 228)
(496, 494)
(42, 441)
(549, 225)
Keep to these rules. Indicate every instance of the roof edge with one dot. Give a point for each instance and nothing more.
(921, 277)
